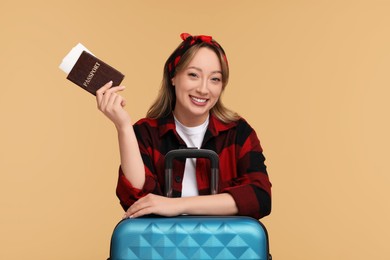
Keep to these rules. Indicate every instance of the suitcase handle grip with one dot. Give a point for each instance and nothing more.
(191, 153)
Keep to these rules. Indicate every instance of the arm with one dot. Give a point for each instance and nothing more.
(219, 204)
(251, 189)
(131, 161)
(112, 105)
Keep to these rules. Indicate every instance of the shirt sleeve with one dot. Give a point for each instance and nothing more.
(251, 189)
(125, 191)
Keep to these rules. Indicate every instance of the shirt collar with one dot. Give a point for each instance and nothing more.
(166, 124)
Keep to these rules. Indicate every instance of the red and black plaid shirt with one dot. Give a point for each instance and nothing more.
(243, 173)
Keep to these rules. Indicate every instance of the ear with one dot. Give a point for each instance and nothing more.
(173, 81)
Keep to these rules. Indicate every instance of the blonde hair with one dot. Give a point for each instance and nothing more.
(166, 99)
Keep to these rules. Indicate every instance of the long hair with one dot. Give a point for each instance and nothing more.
(166, 99)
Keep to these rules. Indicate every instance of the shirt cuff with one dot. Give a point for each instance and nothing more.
(246, 200)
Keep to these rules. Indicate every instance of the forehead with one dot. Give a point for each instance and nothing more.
(206, 59)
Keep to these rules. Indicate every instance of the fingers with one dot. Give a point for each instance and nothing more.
(139, 213)
(123, 103)
(112, 101)
(107, 95)
(139, 206)
(153, 204)
(143, 206)
(104, 88)
(100, 91)
(111, 104)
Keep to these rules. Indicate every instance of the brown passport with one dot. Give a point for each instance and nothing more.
(91, 73)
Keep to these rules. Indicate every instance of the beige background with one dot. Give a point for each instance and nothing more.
(312, 77)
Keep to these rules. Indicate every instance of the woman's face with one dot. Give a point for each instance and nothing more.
(198, 87)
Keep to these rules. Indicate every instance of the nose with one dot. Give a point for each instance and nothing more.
(203, 87)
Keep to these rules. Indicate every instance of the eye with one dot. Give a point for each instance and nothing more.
(216, 79)
(192, 74)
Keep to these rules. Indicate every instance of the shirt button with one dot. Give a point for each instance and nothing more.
(178, 179)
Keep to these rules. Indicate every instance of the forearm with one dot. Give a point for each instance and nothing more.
(219, 204)
(111, 104)
(131, 160)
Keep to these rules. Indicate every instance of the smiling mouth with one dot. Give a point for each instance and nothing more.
(199, 100)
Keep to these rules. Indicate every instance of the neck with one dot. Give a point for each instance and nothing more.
(190, 121)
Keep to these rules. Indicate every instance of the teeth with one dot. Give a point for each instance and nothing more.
(199, 100)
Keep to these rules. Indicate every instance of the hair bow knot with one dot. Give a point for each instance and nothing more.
(203, 38)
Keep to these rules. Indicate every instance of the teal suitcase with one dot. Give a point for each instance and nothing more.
(190, 237)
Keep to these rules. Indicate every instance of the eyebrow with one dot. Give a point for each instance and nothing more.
(199, 69)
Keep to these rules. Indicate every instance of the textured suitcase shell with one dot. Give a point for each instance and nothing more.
(189, 237)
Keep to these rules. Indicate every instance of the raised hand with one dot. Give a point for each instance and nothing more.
(112, 105)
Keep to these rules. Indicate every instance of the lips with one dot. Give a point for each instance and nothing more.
(198, 100)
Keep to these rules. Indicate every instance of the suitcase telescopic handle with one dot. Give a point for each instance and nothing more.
(191, 153)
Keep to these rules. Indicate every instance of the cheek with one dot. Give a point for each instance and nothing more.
(216, 92)
(182, 85)
(180, 94)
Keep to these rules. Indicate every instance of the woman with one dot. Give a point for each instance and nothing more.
(188, 113)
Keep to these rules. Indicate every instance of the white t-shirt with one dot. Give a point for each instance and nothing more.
(193, 137)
